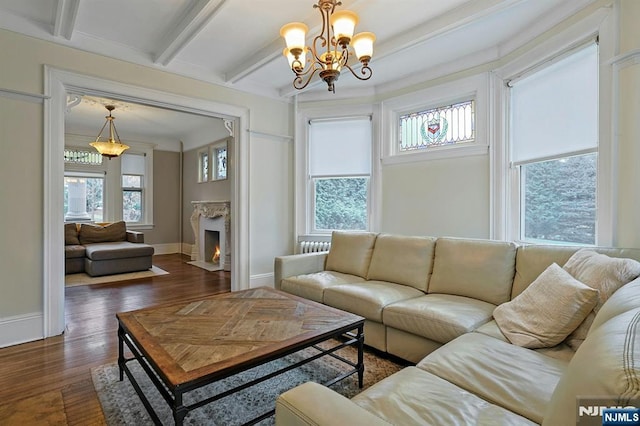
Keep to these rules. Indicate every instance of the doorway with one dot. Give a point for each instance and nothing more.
(58, 84)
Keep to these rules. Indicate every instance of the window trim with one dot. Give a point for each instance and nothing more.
(141, 190)
(474, 88)
(200, 154)
(146, 150)
(505, 210)
(303, 212)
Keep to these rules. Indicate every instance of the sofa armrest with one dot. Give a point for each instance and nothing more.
(297, 264)
(314, 404)
(135, 237)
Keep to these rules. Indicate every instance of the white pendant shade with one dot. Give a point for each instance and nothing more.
(363, 44)
(294, 35)
(344, 23)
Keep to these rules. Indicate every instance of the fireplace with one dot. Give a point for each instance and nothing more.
(211, 225)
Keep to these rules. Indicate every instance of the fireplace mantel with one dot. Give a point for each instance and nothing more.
(211, 210)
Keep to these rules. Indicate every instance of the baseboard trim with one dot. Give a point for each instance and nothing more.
(21, 329)
(187, 250)
(261, 280)
(168, 248)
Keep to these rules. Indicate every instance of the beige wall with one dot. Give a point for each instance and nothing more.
(628, 106)
(166, 199)
(21, 132)
(206, 191)
(21, 201)
(272, 225)
(448, 197)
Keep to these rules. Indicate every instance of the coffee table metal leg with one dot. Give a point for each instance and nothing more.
(121, 359)
(360, 356)
(179, 410)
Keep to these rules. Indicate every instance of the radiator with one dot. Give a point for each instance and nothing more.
(313, 246)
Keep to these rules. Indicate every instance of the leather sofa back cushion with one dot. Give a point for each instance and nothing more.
(350, 252)
(403, 260)
(113, 232)
(531, 260)
(481, 269)
(71, 234)
(603, 366)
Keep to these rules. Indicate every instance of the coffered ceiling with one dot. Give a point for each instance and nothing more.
(236, 43)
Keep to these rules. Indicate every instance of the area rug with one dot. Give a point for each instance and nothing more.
(72, 280)
(122, 406)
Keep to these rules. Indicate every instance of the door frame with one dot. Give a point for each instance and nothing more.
(57, 84)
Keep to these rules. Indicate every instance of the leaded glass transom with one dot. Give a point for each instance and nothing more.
(81, 156)
(444, 125)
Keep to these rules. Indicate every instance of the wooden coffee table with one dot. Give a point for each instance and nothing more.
(185, 346)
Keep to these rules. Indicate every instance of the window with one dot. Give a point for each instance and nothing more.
(339, 174)
(444, 125)
(203, 165)
(133, 173)
(220, 159)
(554, 141)
(83, 197)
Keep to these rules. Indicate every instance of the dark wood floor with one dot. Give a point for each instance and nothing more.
(36, 376)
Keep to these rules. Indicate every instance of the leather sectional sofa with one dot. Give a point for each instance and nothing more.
(105, 250)
(432, 301)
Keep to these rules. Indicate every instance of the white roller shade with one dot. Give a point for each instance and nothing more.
(555, 111)
(132, 164)
(341, 147)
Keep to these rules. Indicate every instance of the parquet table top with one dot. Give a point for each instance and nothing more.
(212, 337)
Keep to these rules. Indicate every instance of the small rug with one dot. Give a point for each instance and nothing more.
(122, 406)
(72, 280)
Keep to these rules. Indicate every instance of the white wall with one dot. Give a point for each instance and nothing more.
(21, 132)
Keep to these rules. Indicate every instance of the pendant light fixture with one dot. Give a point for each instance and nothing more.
(112, 147)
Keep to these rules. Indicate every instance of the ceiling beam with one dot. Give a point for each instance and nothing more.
(65, 20)
(192, 22)
(455, 19)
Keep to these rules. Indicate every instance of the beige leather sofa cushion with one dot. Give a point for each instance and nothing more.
(532, 260)
(623, 300)
(518, 379)
(313, 404)
(439, 317)
(403, 260)
(604, 273)
(547, 311)
(480, 269)
(351, 252)
(415, 397)
(561, 351)
(369, 298)
(311, 286)
(602, 366)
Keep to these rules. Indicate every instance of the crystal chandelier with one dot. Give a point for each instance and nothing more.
(112, 147)
(330, 50)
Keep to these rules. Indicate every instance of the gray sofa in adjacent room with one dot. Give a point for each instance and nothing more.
(105, 250)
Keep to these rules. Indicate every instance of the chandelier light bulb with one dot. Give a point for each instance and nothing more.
(344, 24)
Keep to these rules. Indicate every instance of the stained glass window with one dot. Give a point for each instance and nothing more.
(444, 125)
(221, 163)
(82, 156)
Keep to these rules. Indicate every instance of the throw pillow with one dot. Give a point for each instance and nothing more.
(605, 274)
(547, 311)
(113, 232)
(71, 234)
